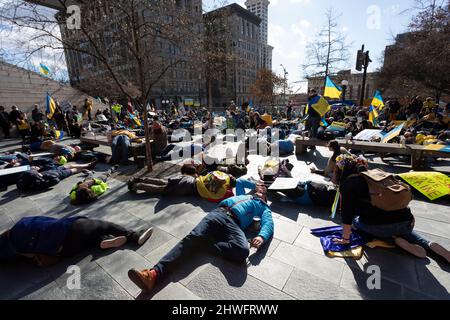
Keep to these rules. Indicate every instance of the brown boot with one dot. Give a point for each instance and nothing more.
(144, 279)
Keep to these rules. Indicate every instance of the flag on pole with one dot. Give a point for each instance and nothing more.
(373, 115)
(331, 90)
(51, 107)
(377, 101)
(44, 69)
(59, 134)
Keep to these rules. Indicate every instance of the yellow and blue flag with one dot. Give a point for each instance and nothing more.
(44, 69)
(331, 90)
(51, 107)
(59, 134)
(373, 115)
(320, 105)
(377, 101)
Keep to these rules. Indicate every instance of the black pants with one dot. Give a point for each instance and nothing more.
(5, 129)
(217, 233)
(86, 233)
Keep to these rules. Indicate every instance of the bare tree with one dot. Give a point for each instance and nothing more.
(420, 59)
(265, 86)
(129, 44)
(329, 49)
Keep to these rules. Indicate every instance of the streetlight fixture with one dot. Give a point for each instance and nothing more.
(344, 85)
(285, 82)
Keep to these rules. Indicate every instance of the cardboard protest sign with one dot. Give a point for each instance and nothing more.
(368, 135)
(393, 133)
(433, 185)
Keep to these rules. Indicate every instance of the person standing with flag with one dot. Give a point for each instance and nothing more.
(316, 110)
(88, 109)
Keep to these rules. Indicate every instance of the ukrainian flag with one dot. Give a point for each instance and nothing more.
(331, 90)
(320, 105)
(44, 69)
(51, 107)
(59, 134)
(378, 102)
(373, 115)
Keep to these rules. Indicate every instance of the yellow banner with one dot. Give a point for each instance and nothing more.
(433, 185)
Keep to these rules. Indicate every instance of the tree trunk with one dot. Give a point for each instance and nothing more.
(210, 103)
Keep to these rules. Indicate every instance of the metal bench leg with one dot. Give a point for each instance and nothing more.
(417, 161)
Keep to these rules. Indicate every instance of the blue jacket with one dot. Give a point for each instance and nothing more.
(36, 235)
(246, 208)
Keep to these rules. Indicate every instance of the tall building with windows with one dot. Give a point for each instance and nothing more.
(235, 31)
(184, 81)
(260, 8)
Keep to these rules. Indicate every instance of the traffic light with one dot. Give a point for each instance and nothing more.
(361, 59)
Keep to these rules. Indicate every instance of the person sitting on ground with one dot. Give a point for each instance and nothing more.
(158, 134)
(48, 240)
(359, 213)
(334, 147)
(34, 180)
(221, 231)
(90, 189)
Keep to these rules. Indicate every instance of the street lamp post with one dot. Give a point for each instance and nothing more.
(344, 84)
(285, 83)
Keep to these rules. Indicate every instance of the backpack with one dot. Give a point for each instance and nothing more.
(387, 192)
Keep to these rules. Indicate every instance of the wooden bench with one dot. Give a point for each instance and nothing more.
(418, 153)
(137, 149)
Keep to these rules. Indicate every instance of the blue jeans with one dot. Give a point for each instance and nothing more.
(120, 150)
(218, 232)
(401, 229)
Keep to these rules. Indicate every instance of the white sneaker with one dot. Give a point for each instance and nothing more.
(440, 250)
(414, 249)
(145, 236)
(113, 243)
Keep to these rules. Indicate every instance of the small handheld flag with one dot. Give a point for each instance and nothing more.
(331, 90)
(378, 101)
(51, 107)
(44, 69)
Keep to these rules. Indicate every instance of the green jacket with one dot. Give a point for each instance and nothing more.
(99, 188)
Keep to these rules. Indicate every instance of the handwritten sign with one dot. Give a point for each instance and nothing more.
(433, 185)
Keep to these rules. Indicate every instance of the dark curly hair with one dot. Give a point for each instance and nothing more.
(85, 196)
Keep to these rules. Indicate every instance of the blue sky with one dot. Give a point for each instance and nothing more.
(293, 24)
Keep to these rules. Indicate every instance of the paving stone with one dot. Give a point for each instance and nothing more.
(117, 265)
(433, 227)
(158, 239)
(161, 251)
(20, 208)
(308, 241)
(85, 261)
(286, 231)
(271, 271)
(6, 222)
(49, 292)
(21, 278)
(229, 282)
(433, 281)
(318, 265)
(177, 227)
(409, 294)
(395, 265)
(355, 280)
(175, 291)
(305, 286)
(430, 211)
(97, 285)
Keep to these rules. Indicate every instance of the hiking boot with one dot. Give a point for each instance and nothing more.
(144, 279)
(145, 236)
(116, 242)
(414, 249)
(440, 250)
